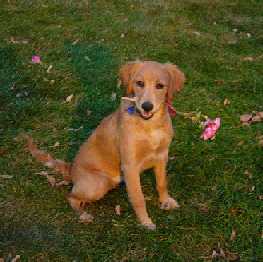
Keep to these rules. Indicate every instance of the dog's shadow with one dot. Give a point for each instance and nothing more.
(96, 68)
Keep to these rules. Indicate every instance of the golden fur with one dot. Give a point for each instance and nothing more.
(126, 143)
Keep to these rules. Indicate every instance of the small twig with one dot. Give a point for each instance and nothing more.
(132, 99)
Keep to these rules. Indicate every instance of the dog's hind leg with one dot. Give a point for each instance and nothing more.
(86, 189)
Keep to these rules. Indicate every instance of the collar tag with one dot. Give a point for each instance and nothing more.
(131, 110)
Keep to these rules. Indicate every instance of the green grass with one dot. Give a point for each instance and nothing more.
(83, 42)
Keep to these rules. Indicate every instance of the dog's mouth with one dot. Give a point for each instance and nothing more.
(146, 115)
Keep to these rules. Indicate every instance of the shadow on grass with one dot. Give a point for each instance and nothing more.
(97, 69)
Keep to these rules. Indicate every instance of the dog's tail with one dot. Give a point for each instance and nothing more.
(58, 165)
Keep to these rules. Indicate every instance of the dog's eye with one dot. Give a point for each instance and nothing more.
(140, 84)
(159, 86)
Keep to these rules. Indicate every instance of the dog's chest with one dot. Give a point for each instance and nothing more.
(156, 139)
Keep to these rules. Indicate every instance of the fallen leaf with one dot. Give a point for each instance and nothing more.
(260, 114)
(226, 102)
(246, 118)
(69, 98)
(16, 258)
(233, 235)
(196, 33)
(248, 174)
(240, 143)
(248, 35)
(62, 183)
(86, 58)
(232, 256)
(122, 35)
(56, 144)
(219, 82)
(86, 218)
(2, 260)
(75, 42)
(113, 96)
(51, 180)
(248, 58)
(49, 69)
(260, 197)
(118, 210)
(6, 176)
(3, 151)
(218, 253)
(256, 118)
(42, 173)
(203, 208)
(88, 112)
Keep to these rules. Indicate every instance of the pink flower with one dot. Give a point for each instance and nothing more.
(36, 59)
(210, 128)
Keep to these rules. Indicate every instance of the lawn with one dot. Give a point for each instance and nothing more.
(219, 46)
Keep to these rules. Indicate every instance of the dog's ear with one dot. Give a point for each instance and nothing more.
(177, 80)
(126, 73)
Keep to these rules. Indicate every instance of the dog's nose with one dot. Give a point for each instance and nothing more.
(147, 106)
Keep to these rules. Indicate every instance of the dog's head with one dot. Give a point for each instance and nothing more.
(151, 83)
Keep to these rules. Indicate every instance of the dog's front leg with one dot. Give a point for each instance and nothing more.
(133, 185)
(166, 201)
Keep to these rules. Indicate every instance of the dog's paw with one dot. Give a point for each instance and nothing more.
(169, 204)
(149, 226)
(86, 218)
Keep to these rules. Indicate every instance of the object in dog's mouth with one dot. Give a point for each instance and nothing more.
(132, 99)
(210, 128)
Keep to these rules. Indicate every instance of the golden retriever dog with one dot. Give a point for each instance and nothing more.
(134, 138)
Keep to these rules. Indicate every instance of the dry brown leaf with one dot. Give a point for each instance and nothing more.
(260, 114)
(218, 253)
(56, 144)
(51, 180)
(248, 174)
(69, 98)
(241, 143)
(16, 258)
(49, 69)
(246, 118)
(88, 112)
(2, 260)
(113, 96)
(203, 208)
(256, 119)
(42, 173)
(62, 183)
(226, 102)
(260, 197)
(233, 235)
(75, 42)
(6, 176)
(219, 82)
(118, 210)
(248, 58)
(86, 218)
(234, 257)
